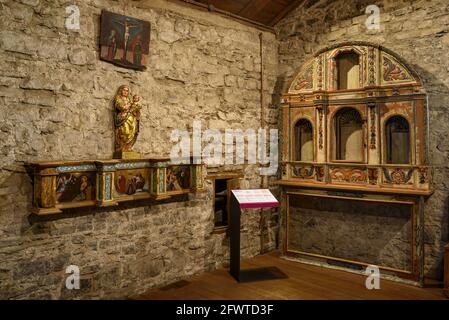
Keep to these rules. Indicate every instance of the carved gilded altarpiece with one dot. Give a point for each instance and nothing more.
(368, 111)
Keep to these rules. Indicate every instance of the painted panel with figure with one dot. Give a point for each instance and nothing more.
(124, 41)
(129, 182)
(178, 178)
(75, 187)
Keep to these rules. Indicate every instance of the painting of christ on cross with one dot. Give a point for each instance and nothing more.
(124, 41)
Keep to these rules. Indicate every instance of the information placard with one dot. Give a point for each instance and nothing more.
(244, 199)
(256, 198)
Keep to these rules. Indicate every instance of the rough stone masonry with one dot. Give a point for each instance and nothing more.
(55, 101)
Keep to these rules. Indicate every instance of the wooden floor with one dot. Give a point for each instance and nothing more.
(305, 282)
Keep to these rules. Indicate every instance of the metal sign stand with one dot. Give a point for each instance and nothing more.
(258, 274)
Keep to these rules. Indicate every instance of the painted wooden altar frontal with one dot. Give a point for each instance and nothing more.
(74, 184)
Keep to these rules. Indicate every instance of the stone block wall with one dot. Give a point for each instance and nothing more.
(416, 30)
(352, 230)
(55, 104)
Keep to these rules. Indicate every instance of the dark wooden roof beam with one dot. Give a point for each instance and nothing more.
(205, 7)
(284, 12)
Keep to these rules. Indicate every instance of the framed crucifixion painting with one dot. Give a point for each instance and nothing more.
(124, 41)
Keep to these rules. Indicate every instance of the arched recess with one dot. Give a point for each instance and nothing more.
(348, 68)
(303, 144)
(397, 139)
(348, 137)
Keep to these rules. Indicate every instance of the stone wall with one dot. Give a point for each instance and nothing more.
(352, 230)
(416, 30)
(55, 104)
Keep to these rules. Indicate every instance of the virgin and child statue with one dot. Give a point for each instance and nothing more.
(126, 121)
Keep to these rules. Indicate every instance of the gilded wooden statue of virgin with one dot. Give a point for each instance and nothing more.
(126, 120)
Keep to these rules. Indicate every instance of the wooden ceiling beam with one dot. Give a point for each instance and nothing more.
(233, 6)
(205, 7)
(284, 12)
(253, 7)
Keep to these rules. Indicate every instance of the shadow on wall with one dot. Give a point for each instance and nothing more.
(278, 90)
(265, 221)
(436, 221)
(438, 243)
(80, 212)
